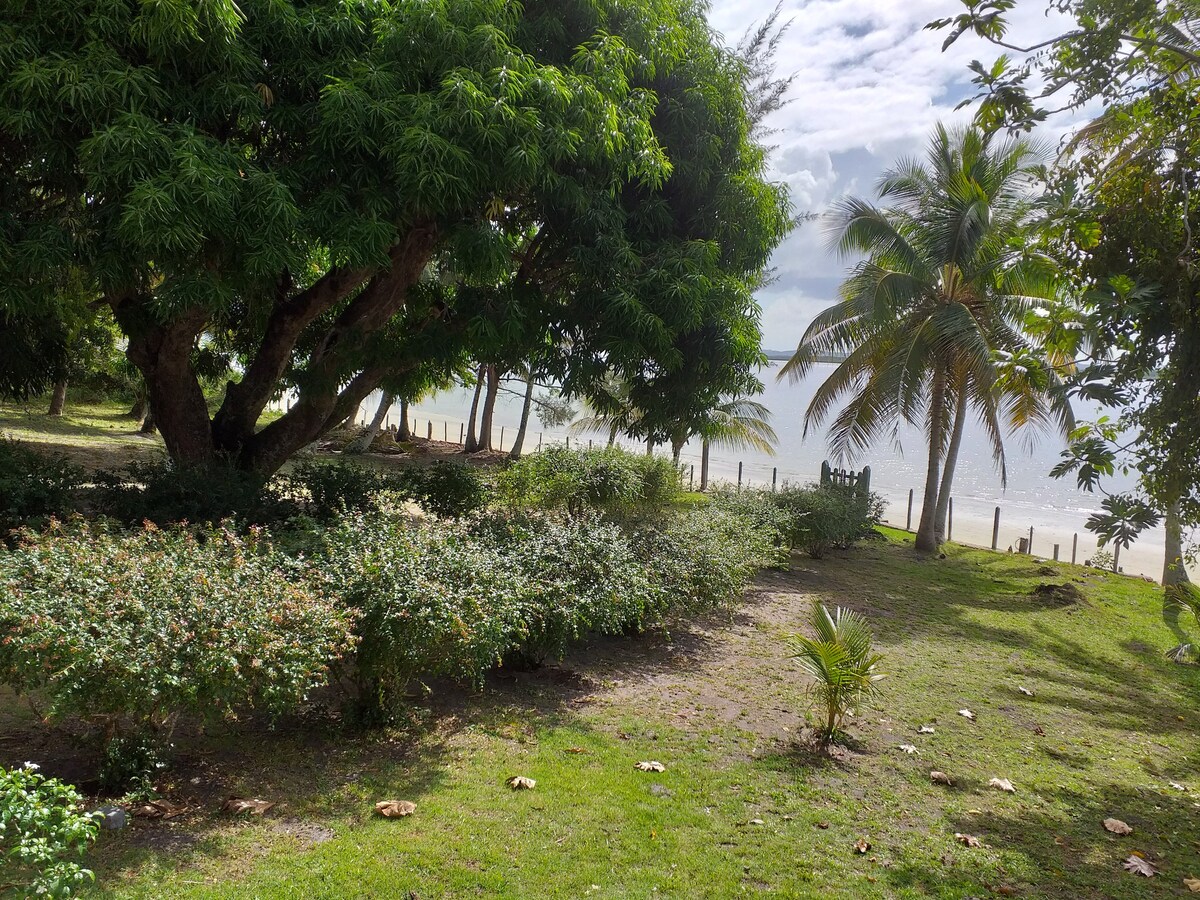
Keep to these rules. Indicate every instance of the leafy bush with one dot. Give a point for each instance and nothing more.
(136, 628)
(450, 490)
(165, 493)
(330, 487)
(818, 518)
(704, 557)
(580, 576)
(43, 831)
(430, 602)
(611, 480)
(33, 486)
(841, 661)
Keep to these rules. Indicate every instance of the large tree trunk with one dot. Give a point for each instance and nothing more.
(148, 426)
(649, 446)
(471, 445)
(950, 462)
(363, 443)
(704, 465)
(1174, 570)
(163, 354)
(325, 397)
(677, 449)
(515, 453)
(58, 398)
(489, 408)
(138, 410)
(927, 540)
(404, 432)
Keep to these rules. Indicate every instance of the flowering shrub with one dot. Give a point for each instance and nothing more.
(43, 831)
(137, 627)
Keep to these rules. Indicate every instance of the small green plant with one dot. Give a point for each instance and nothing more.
(43, 833)
(33, 486)
(841, 661)
(1102, 559)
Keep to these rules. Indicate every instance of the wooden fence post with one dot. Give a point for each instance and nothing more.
(908, 523)
(996, 528)
(1074, 546)
(950, 520)
(1029, 547)
(501, 445)
(739, 475)
(461, 430)
(1056, 552)
(692, 478)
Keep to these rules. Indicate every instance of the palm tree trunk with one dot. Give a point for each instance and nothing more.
(948, 466)
(927, 540)
(363, 443)
(704, 465)
(612, 436)
(649, 446)
(676, 449)
(1174, 570)
(472, 442)
(58, 398)
(489, 408)
(515, 453)
(403, 431)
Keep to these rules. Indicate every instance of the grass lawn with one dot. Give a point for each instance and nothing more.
(741, 809)
(93, 435)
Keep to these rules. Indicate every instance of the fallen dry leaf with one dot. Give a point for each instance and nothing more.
(521, 783)
(967, 840)
(1139, 866)
(1039, 730)
(908, 748)
(756, 821)
(1002, 784)
(941, 778)
(395, 809)
(239, 805)
(1026, 691)
(1192, 884)
(967, 714)
(862, 845)
(925, 729)
(157, 809)
(575, 750)
(1116, 826)
(822, 825)
(652, 765)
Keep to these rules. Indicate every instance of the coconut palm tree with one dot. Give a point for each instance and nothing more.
(931, 320)
(735, 424)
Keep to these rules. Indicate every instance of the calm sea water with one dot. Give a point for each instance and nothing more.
(1055, 509)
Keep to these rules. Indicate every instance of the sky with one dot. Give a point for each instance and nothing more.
(870, 84)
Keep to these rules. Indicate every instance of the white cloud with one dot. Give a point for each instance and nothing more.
(870, 84)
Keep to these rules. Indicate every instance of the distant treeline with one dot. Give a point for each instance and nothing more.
(787, 354)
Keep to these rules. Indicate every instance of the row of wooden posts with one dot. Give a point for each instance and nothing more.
(1024, 544)
(858, 481)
